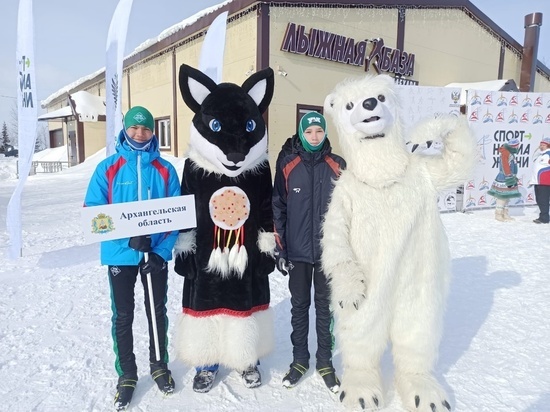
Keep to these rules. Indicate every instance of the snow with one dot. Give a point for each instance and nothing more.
(55, 337)
(87, 107)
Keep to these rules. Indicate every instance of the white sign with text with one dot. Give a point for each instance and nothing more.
(121, 220)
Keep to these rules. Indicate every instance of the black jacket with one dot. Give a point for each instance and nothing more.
(301, 193)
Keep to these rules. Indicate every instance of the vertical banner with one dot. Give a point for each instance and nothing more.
(422, 102)
(213, 48)
(116, 42)
(26, 119)
(496, 117)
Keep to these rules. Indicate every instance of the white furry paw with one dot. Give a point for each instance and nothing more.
(362, 391)
(422, 393)
(428, 131)
(348, 294)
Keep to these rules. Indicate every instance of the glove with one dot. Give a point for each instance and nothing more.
(154, 264)
(266, 264)
(141, 243)
(184, 265)
(282, 266)
(510, 181)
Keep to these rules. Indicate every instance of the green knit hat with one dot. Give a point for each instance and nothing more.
(139, 116)
(312, 119)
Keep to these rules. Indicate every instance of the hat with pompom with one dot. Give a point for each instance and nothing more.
(513, 142)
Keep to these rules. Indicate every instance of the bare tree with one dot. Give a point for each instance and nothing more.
(42, 133)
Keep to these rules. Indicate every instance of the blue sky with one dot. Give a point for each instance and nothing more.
(70, 40)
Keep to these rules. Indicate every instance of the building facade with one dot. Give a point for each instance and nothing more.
(311, 46)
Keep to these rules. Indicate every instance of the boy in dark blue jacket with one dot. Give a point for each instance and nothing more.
(136, 172)
(305, 171)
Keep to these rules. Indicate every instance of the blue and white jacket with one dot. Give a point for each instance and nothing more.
(127, 176)
(541, 172)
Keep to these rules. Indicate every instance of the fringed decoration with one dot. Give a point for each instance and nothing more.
(229, 254)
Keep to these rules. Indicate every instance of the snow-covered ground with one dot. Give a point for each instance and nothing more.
(55, 342)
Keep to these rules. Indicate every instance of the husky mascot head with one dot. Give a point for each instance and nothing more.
(228, 133)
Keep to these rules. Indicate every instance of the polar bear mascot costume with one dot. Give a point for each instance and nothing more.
(384, 246)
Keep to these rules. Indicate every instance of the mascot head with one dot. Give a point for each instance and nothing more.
(365, 112)
(228, 133)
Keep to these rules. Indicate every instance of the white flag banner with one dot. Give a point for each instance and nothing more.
(495, 117)
(116, 42)
(26, 120)
(213, 48)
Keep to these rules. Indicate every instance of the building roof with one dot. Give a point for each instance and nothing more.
(58, 114)
(82, 105)
(198, 22)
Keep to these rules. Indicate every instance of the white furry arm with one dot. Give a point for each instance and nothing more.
(266, 242)
(338, 259)
(186, 243)
(459, 156)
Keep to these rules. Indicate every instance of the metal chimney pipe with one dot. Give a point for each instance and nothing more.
(532, 25)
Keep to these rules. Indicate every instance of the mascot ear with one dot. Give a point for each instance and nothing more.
(195, 86)
(328, 106)
(260, 87)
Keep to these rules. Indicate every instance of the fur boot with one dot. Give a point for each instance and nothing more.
(499, 215)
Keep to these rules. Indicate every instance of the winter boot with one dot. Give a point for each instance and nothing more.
(295, 373)
(204, 380)
(251, 377)
(329, 376)
(499, 215)
(163, 378)
(124, 392)
(506, 216)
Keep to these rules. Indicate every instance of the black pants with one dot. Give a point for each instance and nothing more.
(122, 280)
(301, 276)
(542, 196)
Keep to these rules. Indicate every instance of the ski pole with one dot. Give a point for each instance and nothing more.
(152, 309)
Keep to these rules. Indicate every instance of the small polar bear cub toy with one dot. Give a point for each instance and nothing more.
(385, 251)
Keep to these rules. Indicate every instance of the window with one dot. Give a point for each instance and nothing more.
(302, 109)
(163, 133)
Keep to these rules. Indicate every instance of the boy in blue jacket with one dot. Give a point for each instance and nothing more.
(136, 172)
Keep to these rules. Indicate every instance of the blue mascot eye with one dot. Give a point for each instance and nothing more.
(215, 125)
(250, 125)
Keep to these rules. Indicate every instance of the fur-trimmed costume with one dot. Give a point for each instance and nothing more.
(226, 260)
(384, 246)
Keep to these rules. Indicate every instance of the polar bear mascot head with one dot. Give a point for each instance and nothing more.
(365, 112)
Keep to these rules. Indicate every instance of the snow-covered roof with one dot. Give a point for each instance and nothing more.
(87, 108)
(57, 114)
(145, 45)
(501, 84)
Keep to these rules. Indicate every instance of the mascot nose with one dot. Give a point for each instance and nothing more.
(370, 104)
(235, 157)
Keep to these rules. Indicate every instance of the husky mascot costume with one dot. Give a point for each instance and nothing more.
(227, 259)
(384, 246)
